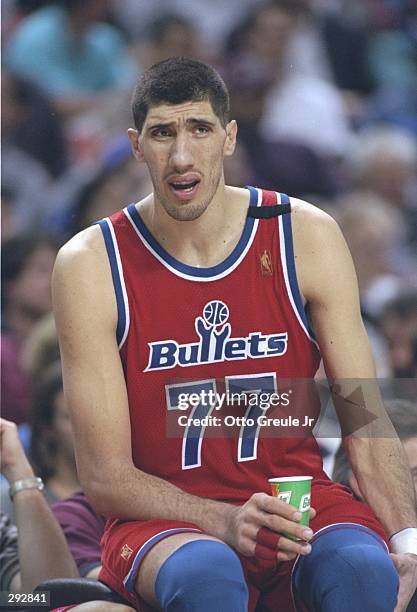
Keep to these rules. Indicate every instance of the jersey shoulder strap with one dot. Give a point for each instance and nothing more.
(273, 205)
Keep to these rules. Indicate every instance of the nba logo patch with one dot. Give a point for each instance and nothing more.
(126, 552)
(266, 263)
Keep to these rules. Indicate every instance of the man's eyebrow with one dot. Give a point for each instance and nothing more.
(191, 120)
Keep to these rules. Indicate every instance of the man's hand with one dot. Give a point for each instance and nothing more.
(14, 463)
(254, 527)
(406, 566)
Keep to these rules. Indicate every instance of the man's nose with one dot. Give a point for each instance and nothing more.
(181, 153)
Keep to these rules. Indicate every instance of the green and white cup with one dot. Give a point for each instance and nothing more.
(294, 490)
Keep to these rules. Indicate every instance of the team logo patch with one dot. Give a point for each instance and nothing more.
(266, 263)
(126, 552)
(215, 343)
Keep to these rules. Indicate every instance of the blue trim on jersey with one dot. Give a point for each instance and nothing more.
(111, 253)
(292, 276)
(192, 270)
(129, 581)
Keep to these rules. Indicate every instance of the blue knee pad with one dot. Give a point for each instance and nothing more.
(348, 570)
(202, 576)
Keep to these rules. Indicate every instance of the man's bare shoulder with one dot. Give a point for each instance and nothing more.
(82, 278)
(313, 228)
(307, 216)
(86, 244)
(320, 250)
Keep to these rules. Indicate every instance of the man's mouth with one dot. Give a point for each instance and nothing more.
(185, 187)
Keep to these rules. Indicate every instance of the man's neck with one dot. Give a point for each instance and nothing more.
(207, 240)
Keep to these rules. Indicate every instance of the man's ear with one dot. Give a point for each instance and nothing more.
(230, 142)
(133, 136)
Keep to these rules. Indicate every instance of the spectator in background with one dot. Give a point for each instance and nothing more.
(117, 182)
(41, 348)
(26, 268)
(270, 29)
(31, 125)
(51, 448)
(403, 415)
(398, 323)
(375, 233)
(169, 35)
(80, 55)
(384, 160)
(37, 549)
(83, 529)
(52, 444)
(253, 65)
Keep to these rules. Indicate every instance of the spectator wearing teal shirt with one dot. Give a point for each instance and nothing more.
(71, 53)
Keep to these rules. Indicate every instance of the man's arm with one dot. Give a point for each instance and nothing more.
(328, 282)
(86, 315)
(43, 551)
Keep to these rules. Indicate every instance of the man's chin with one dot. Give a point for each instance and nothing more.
(189, 211)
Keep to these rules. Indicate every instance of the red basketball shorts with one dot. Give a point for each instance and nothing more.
(126, 543)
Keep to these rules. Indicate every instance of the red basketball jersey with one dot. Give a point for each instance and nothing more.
(239, 326)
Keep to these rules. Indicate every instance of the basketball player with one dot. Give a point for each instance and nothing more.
(195, 284)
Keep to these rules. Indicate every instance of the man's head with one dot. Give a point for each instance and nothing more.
(398, 322)
(180, 109)
(177, 80)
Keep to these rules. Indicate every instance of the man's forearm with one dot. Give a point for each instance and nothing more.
(134, 495)
(43, 550)
(384, 478)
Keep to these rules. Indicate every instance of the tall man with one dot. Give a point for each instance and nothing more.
(176, 292)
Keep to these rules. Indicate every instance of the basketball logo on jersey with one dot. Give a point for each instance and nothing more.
(266, 263)
(215, 343)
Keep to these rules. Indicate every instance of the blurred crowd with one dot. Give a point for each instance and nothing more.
(325, 96)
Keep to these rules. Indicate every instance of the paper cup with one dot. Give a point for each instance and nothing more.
(294, 490)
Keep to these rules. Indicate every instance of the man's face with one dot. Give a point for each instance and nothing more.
(410, 447)
(400, 335)
(183, 146)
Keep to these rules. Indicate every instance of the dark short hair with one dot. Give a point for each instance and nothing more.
(403, 306)
(43, 444)
(15, 252)
(176, 80)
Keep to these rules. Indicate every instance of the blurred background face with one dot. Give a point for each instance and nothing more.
(177, 40)
(31, 290)
(389, 176)
(271, 32)
(401, 337)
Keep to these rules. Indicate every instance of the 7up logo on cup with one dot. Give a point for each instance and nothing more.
(285, 496)
(294, 490)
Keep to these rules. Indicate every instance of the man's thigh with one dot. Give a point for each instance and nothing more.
(133, 552)
(148, 572)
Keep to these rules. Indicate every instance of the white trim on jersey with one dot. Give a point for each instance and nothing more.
(286, 276)
(122, 282)
(201, 279)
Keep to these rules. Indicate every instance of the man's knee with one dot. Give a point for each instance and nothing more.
(202, 575)
(347, 575)
(371, 570)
